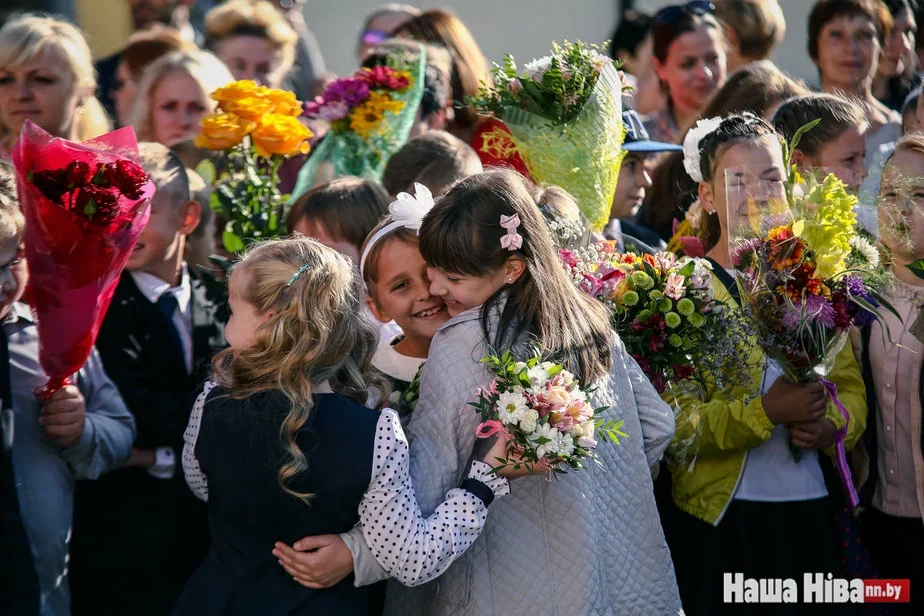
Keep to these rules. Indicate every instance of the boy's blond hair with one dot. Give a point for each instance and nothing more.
(167, 173)
(12, 222)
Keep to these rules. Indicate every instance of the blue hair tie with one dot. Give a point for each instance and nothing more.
(297, 274)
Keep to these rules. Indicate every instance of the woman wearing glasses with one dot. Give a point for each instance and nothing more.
(689, 50)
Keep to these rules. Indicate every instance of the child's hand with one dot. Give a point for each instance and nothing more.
(817, 434)
(141, 458)
(63, 416)
(498, 455)
(316, 562)
(789, 403)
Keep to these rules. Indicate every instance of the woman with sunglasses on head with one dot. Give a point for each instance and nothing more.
(689, 50)
(381, 24)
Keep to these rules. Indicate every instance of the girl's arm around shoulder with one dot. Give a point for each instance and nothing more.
(195, 478)
(410, 547)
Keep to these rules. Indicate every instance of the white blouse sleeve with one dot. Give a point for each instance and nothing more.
(195, 478)
(411, 548)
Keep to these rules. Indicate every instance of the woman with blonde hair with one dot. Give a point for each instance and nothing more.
(253, 39)
(173, 96)
(47, 76)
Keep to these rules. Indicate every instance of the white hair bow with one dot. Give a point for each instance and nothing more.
(407, 211)
(691, 154)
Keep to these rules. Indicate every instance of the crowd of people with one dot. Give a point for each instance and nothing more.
(302, 442)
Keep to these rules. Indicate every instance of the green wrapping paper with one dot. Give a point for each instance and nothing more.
(343, 153)
(583, 157)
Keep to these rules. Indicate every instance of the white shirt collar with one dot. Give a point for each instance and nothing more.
(388, 360)
(153, 288)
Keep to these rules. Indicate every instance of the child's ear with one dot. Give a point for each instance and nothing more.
(707, 197)
(190, 215)
(377, 312)
(513, 269)
(798, 158)
(731, 37)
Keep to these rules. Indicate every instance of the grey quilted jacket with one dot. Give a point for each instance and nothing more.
(586, 543)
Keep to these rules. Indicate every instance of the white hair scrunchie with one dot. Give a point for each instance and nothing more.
(691, 154)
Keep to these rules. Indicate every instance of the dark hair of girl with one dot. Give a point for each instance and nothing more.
(347, 208)
(836, 113)
(735, 129)
(462, 235)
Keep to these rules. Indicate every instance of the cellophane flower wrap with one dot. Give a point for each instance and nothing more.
(258, 129)
(85, 205)
(543, 411)
(792, 248)
(564, 112)
(664, 310)
(371, 114)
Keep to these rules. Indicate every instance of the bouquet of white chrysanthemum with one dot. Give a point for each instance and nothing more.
(544, 413)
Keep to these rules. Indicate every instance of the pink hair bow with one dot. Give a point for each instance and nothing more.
(511, 240)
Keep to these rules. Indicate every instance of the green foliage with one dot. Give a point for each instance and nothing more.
(555, 87)
(247, 198)
(917, 268)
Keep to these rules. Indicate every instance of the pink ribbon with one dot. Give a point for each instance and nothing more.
(841, 453)
(488, 428)
(512, 240)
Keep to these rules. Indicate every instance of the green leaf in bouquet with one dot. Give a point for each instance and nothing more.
(917, 268)
(688, 269)
(232, 242)
(207, 171)
(611, 429)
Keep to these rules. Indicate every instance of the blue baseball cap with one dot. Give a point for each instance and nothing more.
(637, 139)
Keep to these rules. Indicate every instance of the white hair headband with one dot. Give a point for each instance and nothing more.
(407, 211)
(691, 153)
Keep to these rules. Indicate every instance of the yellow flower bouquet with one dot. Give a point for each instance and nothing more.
(371, 114)
(258, 128)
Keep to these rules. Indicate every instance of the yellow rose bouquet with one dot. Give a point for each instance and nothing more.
(257, 128)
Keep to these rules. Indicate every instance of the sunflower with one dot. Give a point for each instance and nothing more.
(367, 117)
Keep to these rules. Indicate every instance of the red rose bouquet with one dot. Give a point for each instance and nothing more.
(85, 206)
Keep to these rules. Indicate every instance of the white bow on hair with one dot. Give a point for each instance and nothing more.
(409, 210)
(406, 211)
